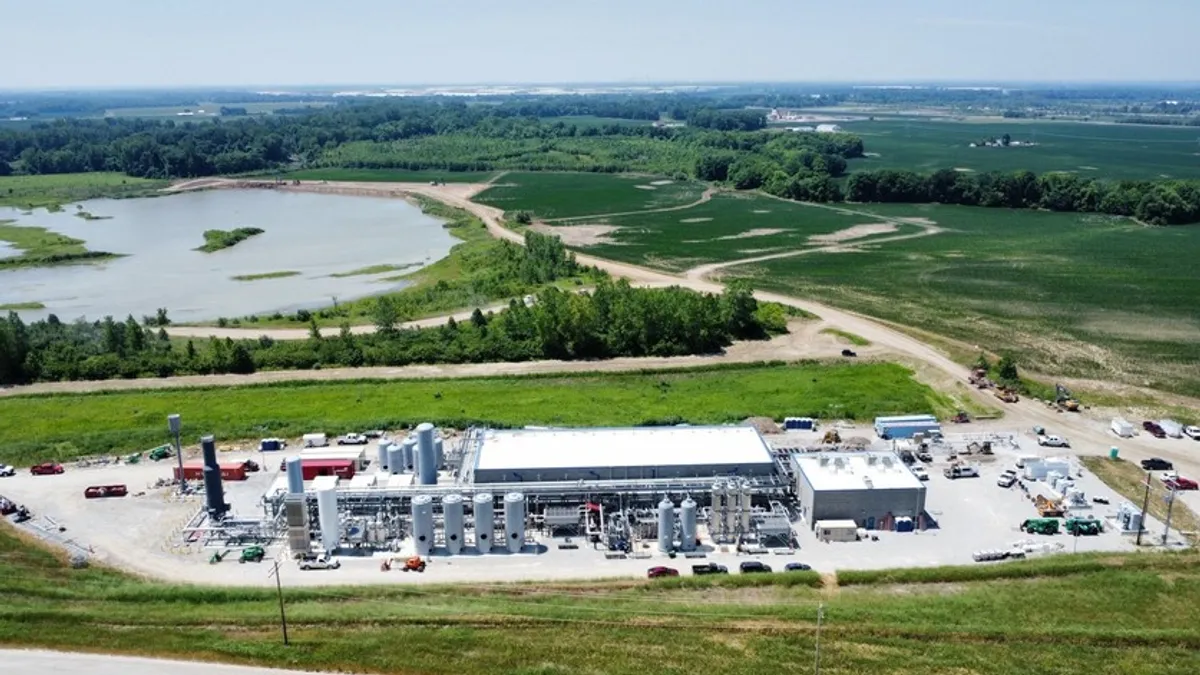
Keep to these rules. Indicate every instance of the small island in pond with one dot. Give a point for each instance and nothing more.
(215, 240)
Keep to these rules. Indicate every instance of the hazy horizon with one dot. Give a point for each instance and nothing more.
(132, 44)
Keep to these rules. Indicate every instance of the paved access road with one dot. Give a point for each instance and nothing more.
(41, 662)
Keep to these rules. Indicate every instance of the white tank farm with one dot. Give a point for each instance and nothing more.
(514, 521)
(485, 522)
(666, 525)
(395, 459)
(381, 454)
(422, 524)
(452, 516)
(687, 525)
(426, 461)
(327, 516)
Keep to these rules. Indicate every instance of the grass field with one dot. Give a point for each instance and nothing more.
(1083, 295)
(1120, 614)
(856, 340)
(53, 190)
(266, 275)
(39, 246)
(569, 195)
(730, 226)
(392, 175)
(39, 428)
(1086, 149)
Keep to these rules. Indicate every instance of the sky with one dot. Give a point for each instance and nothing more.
(177, 43)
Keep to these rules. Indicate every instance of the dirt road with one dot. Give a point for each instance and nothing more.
(303, 333)
(42, 662)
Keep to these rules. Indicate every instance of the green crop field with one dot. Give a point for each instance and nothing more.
(54, 190)
(39, 428)
(569, 195)
(1132, 614)
(392, 175)
(1086, 149)
(1085, 295)
(730, 226)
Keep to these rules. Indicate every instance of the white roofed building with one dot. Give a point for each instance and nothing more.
(871, 488)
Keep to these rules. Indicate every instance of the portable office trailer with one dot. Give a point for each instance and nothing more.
(836, 530)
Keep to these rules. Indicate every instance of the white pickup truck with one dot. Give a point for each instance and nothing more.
(1053, 441)
(1192, 433)
(960, 471)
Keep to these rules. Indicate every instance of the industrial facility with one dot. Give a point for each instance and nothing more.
(871, 489)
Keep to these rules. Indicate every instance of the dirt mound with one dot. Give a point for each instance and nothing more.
(579, 235)
(851, 233)
(756, 232)
(765, 425)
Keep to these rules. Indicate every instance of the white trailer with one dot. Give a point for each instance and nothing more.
(1122, 428)
(1171, 428)
(315, 440)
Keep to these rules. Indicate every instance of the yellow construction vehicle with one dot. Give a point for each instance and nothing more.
(831, 437)
(1065, 400)
(1048, 508)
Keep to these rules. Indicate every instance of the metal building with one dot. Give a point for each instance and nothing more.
(906, 426)
(870, 488)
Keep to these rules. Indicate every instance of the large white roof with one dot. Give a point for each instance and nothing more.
(632, 447)
(856, 471)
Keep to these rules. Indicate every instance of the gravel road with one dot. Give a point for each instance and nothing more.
(41, 662)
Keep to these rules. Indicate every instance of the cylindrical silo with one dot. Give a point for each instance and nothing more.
(666, 525)
(514, 521)
(422, 523)
(439, 453)
(395, 453)
(426, 460)
(381, 454)
(295, 476)
(731, 508)
(410, 454)
(452, 516)
(327, 516)
(687, 525)
(485, 522)
(717, 521)
(744, 505)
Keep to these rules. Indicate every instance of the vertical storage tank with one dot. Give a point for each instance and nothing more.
(731, 508)
(452, 515)
(439, 453)
(422, 523)
(514, 521)
(485, 521)
(295, 476)
(410, 454)
(381, 455)
(744, 505)
(395, 458)
(666, 525)
(687, 525)
(426, 460)
(327, 516)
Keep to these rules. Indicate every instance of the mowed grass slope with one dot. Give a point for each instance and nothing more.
(40, 428)
(567, 195)
(1125, 614)
(1086, 295)
(1117, 151)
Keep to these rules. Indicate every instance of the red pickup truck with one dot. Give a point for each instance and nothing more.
(46, 469)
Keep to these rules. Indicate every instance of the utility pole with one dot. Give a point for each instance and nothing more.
(817, 656)
(279, 587)
(1170, 507)
(1145, 505)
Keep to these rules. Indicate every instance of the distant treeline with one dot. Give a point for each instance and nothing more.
(1166, 202)
(614, 320)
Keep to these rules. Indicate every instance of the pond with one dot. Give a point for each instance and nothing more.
(316, 235)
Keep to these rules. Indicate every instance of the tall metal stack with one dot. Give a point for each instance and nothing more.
(381, 455)
(426, 460)
(666, 525)
(327, 516)
(395, 453)
(422, 522)
(485, 521)
(295, 476)
(214, 493)
(452, 516)
(687, 525)
(514, 521)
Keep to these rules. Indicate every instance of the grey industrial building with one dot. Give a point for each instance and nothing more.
(873, 489)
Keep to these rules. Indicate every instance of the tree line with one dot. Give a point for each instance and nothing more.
(613, 320)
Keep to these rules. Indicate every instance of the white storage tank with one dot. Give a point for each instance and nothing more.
(295, 476)
(514, 521)
(381, 455)
(666, 525)
(409, 454)
(744, 505)
(485, 522)
(452, 516)
(327, 516)
(439, 453)
(395, 459)
(422, 524)
(687, 525)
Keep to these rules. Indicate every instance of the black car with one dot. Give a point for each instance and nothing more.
(1157, 464)
(849, 353)
(796, 567)
(754, 567)
(908, 457)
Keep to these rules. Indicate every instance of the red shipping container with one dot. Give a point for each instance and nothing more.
(229, 471)
(342, 468)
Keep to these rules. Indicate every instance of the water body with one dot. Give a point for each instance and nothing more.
(314, 234)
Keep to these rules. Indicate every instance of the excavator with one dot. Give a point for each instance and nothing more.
(1064, 400)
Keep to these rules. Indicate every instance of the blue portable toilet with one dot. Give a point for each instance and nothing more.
(270, 445)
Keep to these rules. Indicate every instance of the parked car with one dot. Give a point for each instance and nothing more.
(46, 469)
(925, 456)
(960, 471)
(6, 470)
(1153, 429)
(1053, 441)
(1180, 483)
(849, 353)
(660, 571)
(908, 457)
(251, 466)
(709, 568)
(373, 433)
(754, 567)
(1192, 433)
(1157, 464)
(920, 472)
(318, 562)
(352, 439)
(796, 567)
(1007, 478)
(253, 554)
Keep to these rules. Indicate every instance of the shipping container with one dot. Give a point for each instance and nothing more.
(229, 471)
(342, 468)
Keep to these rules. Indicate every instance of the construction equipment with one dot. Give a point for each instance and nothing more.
(160, 453)
(217, 557)
(1040, 526)
(134, 458)
(831, 437)
(1006, 394)
(979, 378)
(961, 418)
(253, 554)
(1048, 508)
(1082, 526)
(414, 564)
(1064, 399)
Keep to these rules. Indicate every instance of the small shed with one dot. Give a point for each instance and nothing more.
(836, 530)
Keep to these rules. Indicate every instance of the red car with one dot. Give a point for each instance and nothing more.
(46, 469)
(660, 571)
(1181, 483)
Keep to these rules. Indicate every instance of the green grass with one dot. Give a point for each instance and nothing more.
(266, 275)
(1078, 295)
(1128, 480)
(374, 269)
(1096, 150)
(39, 428)
(570, 195)
(40, 246)
(47, 191)
(392, 175)
(216, 240)
(1134, 615)
(21, 305)
(853, 339)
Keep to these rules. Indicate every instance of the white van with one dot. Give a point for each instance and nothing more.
(315, 440)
